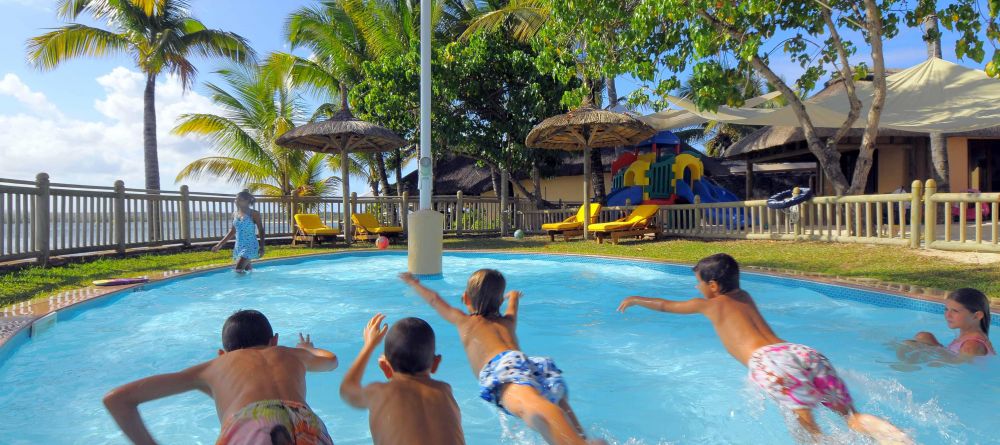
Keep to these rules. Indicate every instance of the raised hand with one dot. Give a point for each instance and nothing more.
(305, 342)
(375, 331)
(513, 294)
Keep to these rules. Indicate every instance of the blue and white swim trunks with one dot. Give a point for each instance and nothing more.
(514, 367)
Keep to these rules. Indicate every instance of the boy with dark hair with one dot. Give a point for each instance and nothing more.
(796, 376)
(259, 388)
(530, 388)
(411, 408)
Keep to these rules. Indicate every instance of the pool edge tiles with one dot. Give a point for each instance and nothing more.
(12, 326)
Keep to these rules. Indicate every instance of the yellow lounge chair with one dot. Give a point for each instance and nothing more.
(637, 223)
(572, 226)
(367, 227)
(308, 227)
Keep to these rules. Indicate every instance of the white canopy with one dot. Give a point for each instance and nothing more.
(934, 96)
(674, 119)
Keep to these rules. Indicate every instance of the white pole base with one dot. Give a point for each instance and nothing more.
(425, 242)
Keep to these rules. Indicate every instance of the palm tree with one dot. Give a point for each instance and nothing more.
(159, 35)
(259, 106)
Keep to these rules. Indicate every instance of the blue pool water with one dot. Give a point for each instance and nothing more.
(638, 378)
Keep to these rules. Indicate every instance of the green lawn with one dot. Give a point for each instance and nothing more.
(892, 264)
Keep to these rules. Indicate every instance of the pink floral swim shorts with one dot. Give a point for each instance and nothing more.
(798, 377)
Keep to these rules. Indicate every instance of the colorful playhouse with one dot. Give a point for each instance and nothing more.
(666, 174)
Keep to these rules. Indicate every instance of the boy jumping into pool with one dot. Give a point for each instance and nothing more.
(411, 408)
(530, 388)
(259, 388)
(796, 376)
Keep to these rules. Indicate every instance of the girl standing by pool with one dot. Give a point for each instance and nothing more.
(967, 310)
(245, 221)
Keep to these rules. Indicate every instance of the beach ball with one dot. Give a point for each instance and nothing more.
(382, 242)
(518, 234)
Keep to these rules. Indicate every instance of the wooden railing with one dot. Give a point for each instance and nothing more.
(39, 219)
(903, 219)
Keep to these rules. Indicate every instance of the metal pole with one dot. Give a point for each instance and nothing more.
(426, 181)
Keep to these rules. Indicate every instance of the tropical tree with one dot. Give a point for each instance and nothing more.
(258, 106)
(159, 35)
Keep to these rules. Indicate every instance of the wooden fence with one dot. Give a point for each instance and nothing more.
(921, 218)
(40, 219)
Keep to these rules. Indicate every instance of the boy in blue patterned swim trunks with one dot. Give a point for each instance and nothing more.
(531, 388)
(796, 376)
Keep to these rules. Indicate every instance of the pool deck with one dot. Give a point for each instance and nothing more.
(14, 319)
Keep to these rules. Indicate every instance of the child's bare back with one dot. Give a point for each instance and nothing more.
(411, 408)
(739, 324)
(238, 378)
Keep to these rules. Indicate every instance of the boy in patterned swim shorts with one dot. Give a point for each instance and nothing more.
(796, 376)
(531, 388)
(259, 388)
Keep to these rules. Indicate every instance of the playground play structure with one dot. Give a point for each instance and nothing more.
(666, 174)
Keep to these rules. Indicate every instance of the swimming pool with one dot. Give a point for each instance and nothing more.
(639, 378)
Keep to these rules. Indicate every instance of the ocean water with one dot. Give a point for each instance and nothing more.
(637, 378)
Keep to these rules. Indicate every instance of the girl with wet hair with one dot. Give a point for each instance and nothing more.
(248, 231)
(967, 310)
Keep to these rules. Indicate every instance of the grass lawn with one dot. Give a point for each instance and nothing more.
(892, 264)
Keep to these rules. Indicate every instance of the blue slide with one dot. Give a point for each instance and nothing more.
(710, 193)
(633, 194)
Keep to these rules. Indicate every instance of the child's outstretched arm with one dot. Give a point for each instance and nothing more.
(224, 240)
(513, 299)
(123, 401)
(350, 389)
(313, 358)
(442, 307)
(692, 306)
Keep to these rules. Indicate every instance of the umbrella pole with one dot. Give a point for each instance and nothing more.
(345, 185)
(586, 191)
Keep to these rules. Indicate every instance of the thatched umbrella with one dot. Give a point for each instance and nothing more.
(585, 128)
(344, 134)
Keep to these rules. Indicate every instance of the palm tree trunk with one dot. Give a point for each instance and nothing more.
(495, 181)
(939, 148)
(152, 165)
(399, 172)
(609, 83)
(149, 134)
(383, 178)
(597, 176)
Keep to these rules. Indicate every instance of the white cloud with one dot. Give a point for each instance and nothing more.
(108, 147)
(11, 85)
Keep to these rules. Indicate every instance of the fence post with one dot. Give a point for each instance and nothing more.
(120, 217)
(185, 216)
(697, 214)
(930, 213)
(42, 218)
(459, 213)
(916, 193)
(291, 213)
(405, 209)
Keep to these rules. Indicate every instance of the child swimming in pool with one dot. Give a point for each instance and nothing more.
(967, 310)
(796, 376)
(259, 388)
(245, 221)
(411, 408)
(531, 388)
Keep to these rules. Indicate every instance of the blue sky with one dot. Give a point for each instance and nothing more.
(81, 122)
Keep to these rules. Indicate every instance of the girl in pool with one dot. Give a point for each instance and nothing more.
(967, 310)
(245, 221)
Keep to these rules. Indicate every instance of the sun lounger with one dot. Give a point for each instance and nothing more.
(572, 226)
(638, 223)
(368, 228)
(308, 227)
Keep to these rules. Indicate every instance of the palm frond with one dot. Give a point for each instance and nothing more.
(75, 40)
